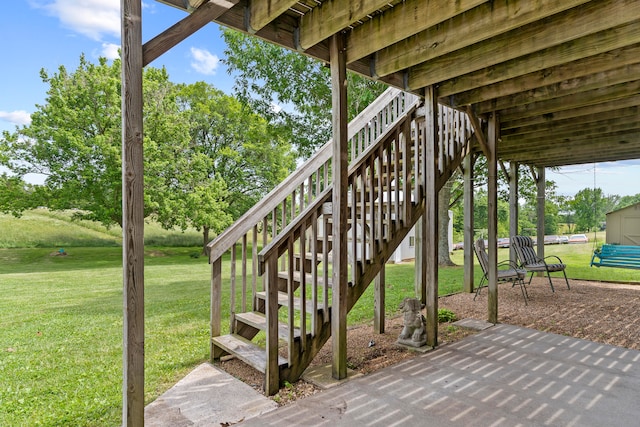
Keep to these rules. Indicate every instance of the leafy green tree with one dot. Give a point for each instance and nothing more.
(242, 150)
(74, 141)
(16, 196)
(292, 91)
(590, 206)
(625, 201)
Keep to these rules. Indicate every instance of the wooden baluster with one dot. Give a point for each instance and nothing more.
(290, 290)
(396, 175)
(314, 273)
(254, 266)
(406, 171)
(244, 273)
(363, 223)
(303, 286)
(372, 206)
(232, 304)
(325, 270)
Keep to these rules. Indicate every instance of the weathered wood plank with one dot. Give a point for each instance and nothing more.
(488, 20)
(430, 221)
(588, 110)
(132, 215)
(331, 16)
(492, 214)
(246, 351)
(574, 50)
(263, 12)
(170, 37)
(547, 33)
(403, 20)
(468, 202)
(339, 214)
(551, 106)
(576, 74)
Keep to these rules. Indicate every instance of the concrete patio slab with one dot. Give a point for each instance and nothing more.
(504, 375)
(207, 396)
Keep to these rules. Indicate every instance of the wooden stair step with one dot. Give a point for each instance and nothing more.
(245, 350)
(259, 321)
(297, 278)
(283, 300)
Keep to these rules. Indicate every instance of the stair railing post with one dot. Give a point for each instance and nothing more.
(272, 374)
(216, 304)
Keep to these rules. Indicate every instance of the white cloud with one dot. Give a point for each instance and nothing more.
(19, 117)
(110, 50)
(93, 18)
(204, 61)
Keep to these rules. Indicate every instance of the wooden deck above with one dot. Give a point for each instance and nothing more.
(563, 75)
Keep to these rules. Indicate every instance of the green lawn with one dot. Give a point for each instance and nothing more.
(61, 317)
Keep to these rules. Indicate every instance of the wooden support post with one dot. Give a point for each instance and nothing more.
(339, 213)
(513, 206)
(420, 262)
(430, 216)
(216, 305)
(378, 315)
(272, 374)
(468, 202)
(542, 187)
(132, 215)
(492, 215)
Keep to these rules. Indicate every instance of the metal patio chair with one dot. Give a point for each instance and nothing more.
(530, 261)
(508, 271)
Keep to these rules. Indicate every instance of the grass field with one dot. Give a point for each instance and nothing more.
(61, 317)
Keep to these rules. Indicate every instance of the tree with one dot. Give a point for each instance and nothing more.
(590, 207)
(292, 91)
(74, 141)
(243, 150)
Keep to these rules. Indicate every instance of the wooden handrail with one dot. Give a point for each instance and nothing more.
(274, 198)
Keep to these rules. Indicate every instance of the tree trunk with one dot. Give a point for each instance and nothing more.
(205, 240)
(444, 197)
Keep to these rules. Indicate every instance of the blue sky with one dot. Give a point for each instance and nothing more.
(45, 34)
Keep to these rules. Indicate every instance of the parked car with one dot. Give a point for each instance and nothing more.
(503, 242)
(552, 240)
(578, 238)
(564, 239)
(459, 245)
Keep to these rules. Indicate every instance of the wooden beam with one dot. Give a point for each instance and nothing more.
(492, 218)
(403, 20)
(574, 50)
(574, 113)
(430, 216)
(547, 33)
(597, 119)
(203, 15)
(584, 84)
(339, 207)
(576, 133)
(573, 101)
(333, 16)
(488, 20)
(132, 215)
(592, 65)
(477, 129)
(263, 12)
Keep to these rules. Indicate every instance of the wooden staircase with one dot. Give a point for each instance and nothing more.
(280, 314)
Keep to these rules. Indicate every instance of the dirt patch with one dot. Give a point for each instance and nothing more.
(604, 313)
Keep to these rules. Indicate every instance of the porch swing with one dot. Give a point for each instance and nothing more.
(613, 255)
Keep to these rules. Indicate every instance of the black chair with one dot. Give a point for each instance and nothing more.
(530, 261)
(511, 273)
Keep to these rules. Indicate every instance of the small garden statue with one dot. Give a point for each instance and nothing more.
(414, 332)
